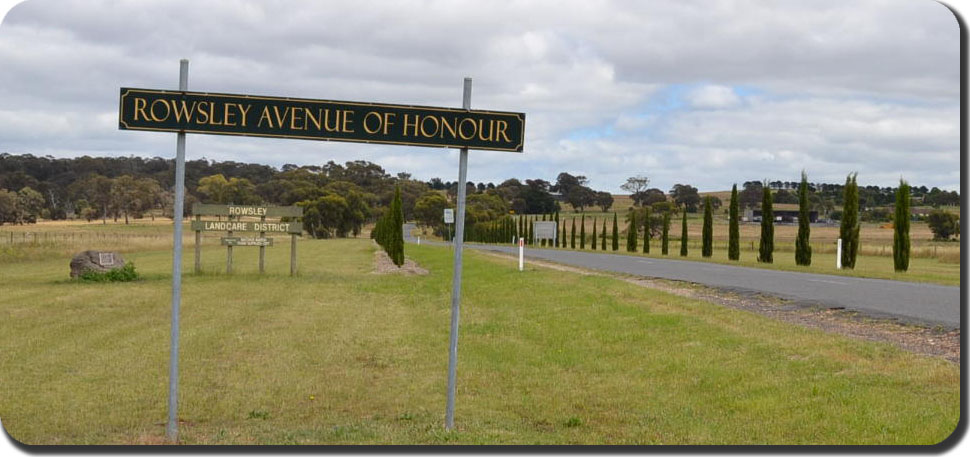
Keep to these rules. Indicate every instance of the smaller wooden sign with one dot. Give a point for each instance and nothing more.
(246, 241)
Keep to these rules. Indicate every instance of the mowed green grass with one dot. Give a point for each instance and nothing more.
(339, 355)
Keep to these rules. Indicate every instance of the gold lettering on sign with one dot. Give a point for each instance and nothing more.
(450, 127)
(424, 122)
(265, 116)
(387, 121)
(182, 111)
(212, 114)
(203, 117)
(326, 121)
(461, 129)
(414, 125)
(245, 112)
(155, 117)
(314, 120)
(368, 116)
(280, 120)
(491, 127)
(347, 120)
(227, 116)
(294, 118)
(140, 107)
(500, 131)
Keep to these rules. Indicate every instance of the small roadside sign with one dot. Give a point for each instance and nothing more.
(249, 241)
(449, 216)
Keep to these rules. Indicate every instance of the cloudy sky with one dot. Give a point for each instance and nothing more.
(707, 93)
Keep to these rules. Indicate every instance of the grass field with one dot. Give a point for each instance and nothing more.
(339, 355)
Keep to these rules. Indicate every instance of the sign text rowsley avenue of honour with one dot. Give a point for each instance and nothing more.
(228, 114)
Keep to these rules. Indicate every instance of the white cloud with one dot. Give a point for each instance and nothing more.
(713, 96)
(830, 86)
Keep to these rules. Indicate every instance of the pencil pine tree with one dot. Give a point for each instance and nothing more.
(582, 233)
(901, 228)
(683, 235)
(766, 247)
(707, 231)
(395, 230)
(572, 236)
(631, 233)
(557, 239)
(542, 242)
(849, 228)
(646, 229)
(594, 235)
(530, 224)
(734, 232)
(665, 237)
(803, 250)
(563, 238)
(616, 234)
(603, 237)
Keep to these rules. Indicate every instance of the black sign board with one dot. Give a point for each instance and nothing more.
(228, 114)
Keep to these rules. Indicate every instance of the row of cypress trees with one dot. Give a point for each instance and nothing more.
(849, 226)
(506, 229)
(389, 230)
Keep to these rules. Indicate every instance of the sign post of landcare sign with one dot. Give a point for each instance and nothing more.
(184, 112)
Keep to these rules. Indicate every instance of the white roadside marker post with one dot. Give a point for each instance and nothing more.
(838, 255)
(521, 253)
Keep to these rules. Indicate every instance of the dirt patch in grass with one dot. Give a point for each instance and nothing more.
(383, 265)
(935, 342)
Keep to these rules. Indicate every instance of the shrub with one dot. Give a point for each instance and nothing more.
(123, 274)
(943, 224)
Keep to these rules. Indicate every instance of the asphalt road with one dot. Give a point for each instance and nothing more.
(906, 301)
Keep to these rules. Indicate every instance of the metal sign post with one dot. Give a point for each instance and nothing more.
(171, 431)
(466, 103)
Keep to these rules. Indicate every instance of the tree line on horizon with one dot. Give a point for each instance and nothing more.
(341, 199)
